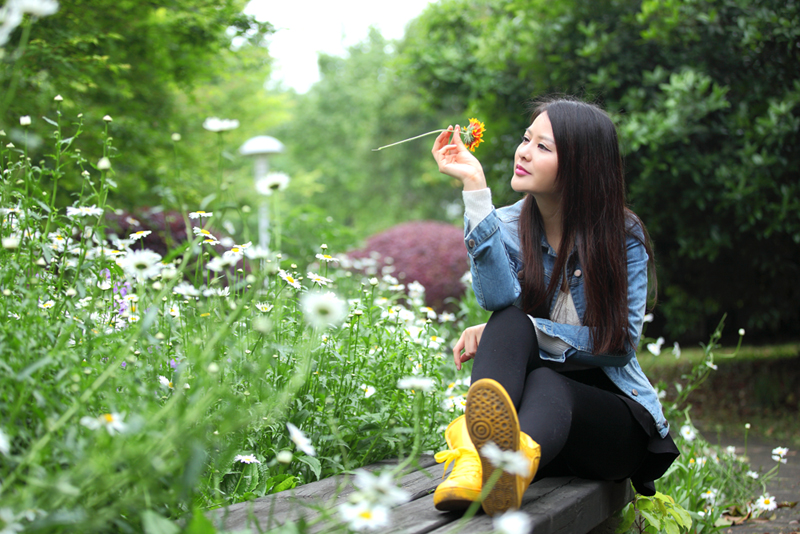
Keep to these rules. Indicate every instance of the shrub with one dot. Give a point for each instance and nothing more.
(429, 252)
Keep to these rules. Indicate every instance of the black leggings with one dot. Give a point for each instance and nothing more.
(583, 430)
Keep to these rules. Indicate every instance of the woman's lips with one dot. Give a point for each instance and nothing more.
(519, 171)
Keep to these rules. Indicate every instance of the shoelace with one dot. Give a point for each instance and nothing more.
(469, 458)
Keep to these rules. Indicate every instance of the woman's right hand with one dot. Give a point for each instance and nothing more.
(457, 161)
(468, 342)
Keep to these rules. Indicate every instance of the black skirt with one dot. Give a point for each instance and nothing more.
(661, 452)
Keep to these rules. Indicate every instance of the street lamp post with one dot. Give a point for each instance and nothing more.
(260, 148)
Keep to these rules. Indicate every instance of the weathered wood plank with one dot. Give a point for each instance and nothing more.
(304, 501)
(565, 505)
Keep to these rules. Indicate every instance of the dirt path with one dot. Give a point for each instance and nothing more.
(785, 487)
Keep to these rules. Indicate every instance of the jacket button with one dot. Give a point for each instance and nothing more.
(635, 393)
(471, 243)
(520, 274)
(578, 272)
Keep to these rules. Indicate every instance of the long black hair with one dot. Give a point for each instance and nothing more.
(595, 221)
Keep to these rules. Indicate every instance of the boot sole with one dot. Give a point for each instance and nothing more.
(454, 499)
(491, 416)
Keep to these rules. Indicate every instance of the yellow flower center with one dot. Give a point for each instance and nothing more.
(366, 514)
(108, 417)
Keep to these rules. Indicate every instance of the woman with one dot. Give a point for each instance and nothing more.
(564, 269)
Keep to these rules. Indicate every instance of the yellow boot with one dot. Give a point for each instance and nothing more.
(463, 486)
(491, 416)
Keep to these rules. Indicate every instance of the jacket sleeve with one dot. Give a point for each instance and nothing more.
(579, 337)
(493, 262)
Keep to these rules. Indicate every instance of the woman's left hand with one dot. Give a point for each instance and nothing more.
(457, 161)
(468, 342)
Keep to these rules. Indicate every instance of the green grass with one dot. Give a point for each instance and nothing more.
(693, 355)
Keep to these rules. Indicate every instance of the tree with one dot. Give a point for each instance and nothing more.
(361, 103)
(131, 60)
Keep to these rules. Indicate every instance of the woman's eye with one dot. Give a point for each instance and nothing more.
(525, 139)
(541, 146)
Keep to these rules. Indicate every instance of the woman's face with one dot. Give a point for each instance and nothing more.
(536, 160)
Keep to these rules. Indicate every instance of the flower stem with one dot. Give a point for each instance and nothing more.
(409, 139)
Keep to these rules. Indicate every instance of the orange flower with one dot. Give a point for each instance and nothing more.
(474, 134)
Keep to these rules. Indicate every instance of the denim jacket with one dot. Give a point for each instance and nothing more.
(495, 261)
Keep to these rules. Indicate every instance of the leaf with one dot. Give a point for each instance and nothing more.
(35, 366)
(50, 121)
(671, 527)
(200, 524)
(313, 463)
(652, 519)
(288, 483)
(207, 200)
(628, 516)
(154, 523)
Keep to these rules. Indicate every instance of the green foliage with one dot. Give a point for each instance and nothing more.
(131, 399)
(658, 513)
(147, 65)
(362, 102)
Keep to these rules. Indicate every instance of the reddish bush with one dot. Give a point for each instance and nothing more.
(429, 252)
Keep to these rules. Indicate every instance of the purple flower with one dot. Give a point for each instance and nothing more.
(124, 365)
(173, 363)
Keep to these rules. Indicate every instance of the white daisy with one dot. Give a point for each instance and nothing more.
(380, 488)
(141, 264)
(112, 422)
(263, 307)
(246, 459)
(421, 383)
(214, 124)
(322, 309)
(141, 234)
(513, 462)
(688, 433)
(327, 258)
(203, 232)
(200, 213)
(364, 515)
(710, 495)
(300, 439)
(779, 454)
(512, 522)
(319, 280)
(368, 390)
(5, 443)
(272, 182)
(84, 211)
(289, 279)
(220, 263)
(766, 503)
(256, 253)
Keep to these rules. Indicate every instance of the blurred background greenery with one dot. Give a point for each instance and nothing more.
(706, 94)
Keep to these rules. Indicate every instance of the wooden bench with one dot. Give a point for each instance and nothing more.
(567, 505)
